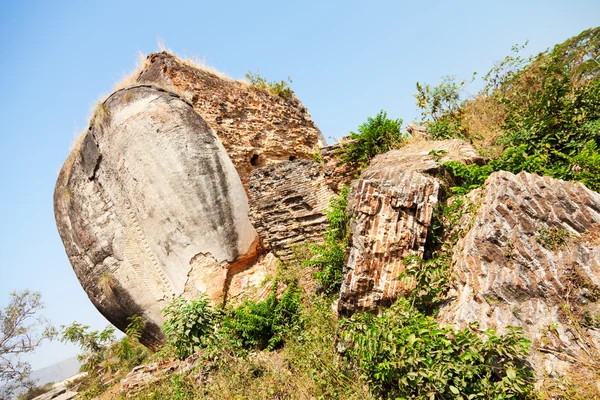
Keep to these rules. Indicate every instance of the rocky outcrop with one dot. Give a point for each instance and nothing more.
(288, 203)
(391, 206)
(150, 206)
(530, 257)
(256, 127)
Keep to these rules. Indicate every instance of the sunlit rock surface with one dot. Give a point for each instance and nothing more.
(150, 206)
(530, 257)
(391, 206)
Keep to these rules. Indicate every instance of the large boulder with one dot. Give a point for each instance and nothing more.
(530, 257)
(150, 206)
(391, 207)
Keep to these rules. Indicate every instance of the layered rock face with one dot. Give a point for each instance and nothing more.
(256, 128)
(149, 206)
(391, 207)
(288, 203)
(530, 257)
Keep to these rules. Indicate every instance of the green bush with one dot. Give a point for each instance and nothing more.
(96, 345)
(441, 108)
(187, 325)
(264, 324)
(129, 351)
(376, 136)
(329, 257)
(281, 88)
(405, 354)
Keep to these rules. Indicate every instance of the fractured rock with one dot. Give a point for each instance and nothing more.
(256, 127)
(288, 203)
(391, 206)
(530, 257)
(150, 206)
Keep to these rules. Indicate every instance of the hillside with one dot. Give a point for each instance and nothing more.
(206, 219)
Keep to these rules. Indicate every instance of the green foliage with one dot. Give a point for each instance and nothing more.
(429, 278)
(550, 113)
(441, 101)
(376, 136)
(188, 324)
(329, 257)
(22, 331)
(129, 351)
(445, 129)
(281, 88)
(467, 177)
(313, 354)
(441, 108)
(405, 354)
(96, 345)
(264, 324)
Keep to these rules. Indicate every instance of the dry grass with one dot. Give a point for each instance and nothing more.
(195, 62)
(130, 79)
(483, 117)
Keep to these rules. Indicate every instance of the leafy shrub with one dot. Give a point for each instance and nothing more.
(441, 108)
(329, 257)
(129, 351)
(96, 345)
(467, 177)
(376, 136)
(187, 325)
(281, 88)
(405, 354)
(441, 101)
(264, 324)
(445, 129)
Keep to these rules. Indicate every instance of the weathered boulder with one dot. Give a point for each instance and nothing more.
(287, 205)
(150, 206)
(530, 257)
(391, 206)
(256, 127)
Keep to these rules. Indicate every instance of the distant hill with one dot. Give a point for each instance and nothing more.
(56, 372)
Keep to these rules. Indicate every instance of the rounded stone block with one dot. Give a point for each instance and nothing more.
(146, 192)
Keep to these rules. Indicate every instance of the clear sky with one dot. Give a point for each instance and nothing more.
(347, 59)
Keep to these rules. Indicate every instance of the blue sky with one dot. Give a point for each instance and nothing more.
(347, 60)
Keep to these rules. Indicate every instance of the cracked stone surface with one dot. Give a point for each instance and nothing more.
(148, 204)
(288, 203)
(391, 206)
(511, 268)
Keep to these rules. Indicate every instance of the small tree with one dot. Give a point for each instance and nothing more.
(22, 330)
(95, 345)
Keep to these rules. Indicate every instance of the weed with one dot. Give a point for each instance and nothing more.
(264, 324)
(281, 88)
(553, 238)
(437, 154)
